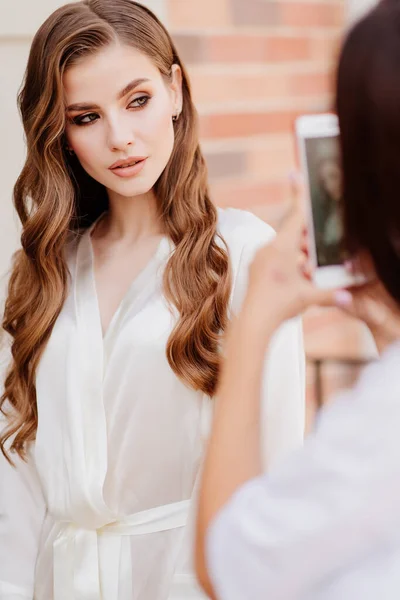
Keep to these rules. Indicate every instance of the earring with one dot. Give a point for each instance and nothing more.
(175, 117)
(69, 150)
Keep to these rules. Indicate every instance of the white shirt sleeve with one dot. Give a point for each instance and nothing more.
(22, 511)
(283, 534)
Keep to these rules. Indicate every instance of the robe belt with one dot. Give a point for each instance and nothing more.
(76, 553)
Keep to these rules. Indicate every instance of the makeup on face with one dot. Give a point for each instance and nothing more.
(120, 108)
(129, 167)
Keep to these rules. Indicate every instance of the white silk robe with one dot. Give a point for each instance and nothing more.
(104, 509)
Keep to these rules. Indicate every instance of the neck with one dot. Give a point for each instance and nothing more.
(132, 219)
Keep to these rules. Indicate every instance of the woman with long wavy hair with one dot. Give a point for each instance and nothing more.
(116, 305)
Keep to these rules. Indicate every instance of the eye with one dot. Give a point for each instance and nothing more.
(140, 102)
(137, 103)
(80, 120)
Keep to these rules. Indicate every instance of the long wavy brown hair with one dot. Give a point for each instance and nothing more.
(54, 196)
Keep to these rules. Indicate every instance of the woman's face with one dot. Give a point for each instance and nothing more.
(331, 178)
(125, 111)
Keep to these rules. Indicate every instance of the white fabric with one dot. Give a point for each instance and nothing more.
(325, 525)
(120, 441)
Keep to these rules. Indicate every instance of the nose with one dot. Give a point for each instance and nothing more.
(120, 134)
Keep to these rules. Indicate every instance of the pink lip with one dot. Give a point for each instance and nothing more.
(126, 161)
(130, 171)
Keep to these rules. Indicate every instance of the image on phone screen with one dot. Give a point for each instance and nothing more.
(325, 181)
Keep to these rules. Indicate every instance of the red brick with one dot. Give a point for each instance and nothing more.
(192, 14)
(255, 12)
(211, 87)
(287, 48)
(226, 164)
(325, 48)
(311, 84)
(257, 48)
(312, 14)
(191, 48)
(246, 124)
(236, 48)
(245, 194)
(277, 159)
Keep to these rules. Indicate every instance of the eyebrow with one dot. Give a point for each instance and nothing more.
(128, 88)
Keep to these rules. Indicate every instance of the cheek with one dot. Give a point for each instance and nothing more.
(160, 131)
(83, 144)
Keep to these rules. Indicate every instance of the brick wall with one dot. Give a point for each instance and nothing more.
(254, 66)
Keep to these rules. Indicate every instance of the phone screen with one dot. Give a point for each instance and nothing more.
(325, 182)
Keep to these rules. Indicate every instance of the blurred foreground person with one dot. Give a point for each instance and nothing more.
(325, 525)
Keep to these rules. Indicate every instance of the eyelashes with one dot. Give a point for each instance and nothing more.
(139, 103)
(80, 120)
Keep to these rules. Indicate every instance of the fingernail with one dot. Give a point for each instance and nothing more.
(349, 266)
(343, 298)
(294, 177)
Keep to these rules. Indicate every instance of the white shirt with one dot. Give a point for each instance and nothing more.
(325, 524)
(104, 508)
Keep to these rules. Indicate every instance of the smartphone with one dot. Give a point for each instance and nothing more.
(318, 144)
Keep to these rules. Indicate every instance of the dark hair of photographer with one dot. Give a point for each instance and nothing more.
(368, 106)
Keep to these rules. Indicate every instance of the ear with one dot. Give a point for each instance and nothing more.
(176, 89)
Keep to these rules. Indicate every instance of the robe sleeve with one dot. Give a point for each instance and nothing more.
(22, 511)
(283, 387)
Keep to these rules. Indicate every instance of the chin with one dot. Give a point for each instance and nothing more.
(133, 188)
